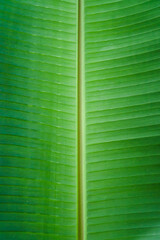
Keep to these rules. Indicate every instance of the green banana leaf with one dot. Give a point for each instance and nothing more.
(122, 76)
(79, 120)
(38, 183)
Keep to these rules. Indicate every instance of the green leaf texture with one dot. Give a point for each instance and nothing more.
(119, 47)
(122, 59)
(38, 167)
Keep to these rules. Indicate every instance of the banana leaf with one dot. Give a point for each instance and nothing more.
(79, 120)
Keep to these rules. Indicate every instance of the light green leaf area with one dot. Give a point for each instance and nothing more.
(38, 165)
(122, 56)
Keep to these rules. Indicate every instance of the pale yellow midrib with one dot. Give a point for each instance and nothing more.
(81, 126)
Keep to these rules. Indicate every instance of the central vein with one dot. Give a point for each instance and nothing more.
(81, 126)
